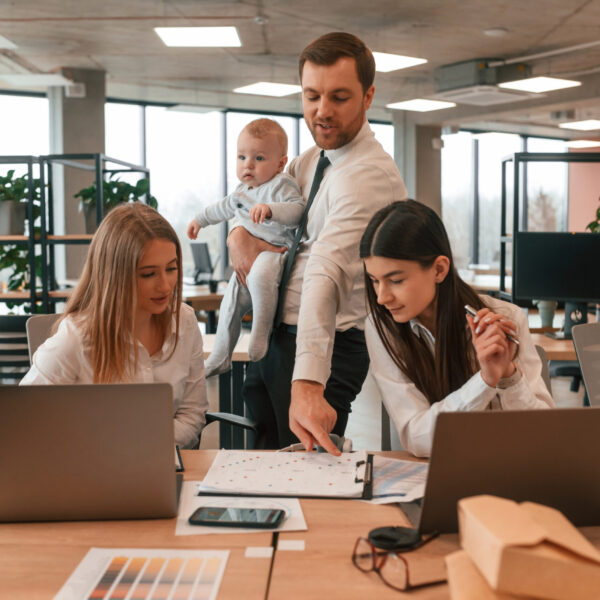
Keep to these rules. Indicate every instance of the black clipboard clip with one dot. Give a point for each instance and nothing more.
(178, 461)
(367, 478)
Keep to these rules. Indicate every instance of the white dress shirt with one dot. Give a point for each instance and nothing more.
(326, 288)
(63, 359)
(410, 411)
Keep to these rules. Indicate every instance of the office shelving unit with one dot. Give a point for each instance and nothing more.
(519, 208)
(29, 240)
(44, 291)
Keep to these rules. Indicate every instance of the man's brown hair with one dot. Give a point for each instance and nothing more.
(329, 48)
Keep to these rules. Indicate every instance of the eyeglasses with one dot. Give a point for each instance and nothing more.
(391, 566)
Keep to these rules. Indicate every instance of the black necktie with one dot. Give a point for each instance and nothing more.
(321, 166)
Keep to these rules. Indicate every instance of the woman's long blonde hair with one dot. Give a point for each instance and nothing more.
(105, 300)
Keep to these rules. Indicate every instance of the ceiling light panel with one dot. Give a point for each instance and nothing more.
(267, 88)
(421, 105)
(587, 125)
(583, 144)
(199, 37)
(539, 85)
(384, 63)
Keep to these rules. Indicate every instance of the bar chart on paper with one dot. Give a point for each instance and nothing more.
(146, 574)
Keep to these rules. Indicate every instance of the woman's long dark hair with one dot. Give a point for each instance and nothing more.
(409, 230)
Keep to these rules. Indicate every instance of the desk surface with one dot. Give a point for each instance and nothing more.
(37, 558)
(199, 297)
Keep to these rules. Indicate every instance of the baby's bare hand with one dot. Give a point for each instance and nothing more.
(193, 229)
(260, 212)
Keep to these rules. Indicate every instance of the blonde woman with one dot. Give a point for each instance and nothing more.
(125, 321)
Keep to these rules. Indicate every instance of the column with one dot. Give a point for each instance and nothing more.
(76, 126)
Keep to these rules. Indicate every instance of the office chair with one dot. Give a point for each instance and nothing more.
(14, 359)
(545, 367)
(39, 328)
(586, 338)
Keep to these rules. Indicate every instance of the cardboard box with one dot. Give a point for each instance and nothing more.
(467, 583)
(528, 549)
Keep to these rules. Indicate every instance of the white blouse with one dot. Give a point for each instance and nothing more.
(410, 411)
(63, 359)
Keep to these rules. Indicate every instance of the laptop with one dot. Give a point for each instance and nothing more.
(544, 456)
(86, 452)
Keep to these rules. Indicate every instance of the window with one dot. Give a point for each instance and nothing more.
(384, 134)
(25, 129)
(457, 193)
(472, 187)
(124, 132)
(493, 147)
(184, 151)
(547, 188)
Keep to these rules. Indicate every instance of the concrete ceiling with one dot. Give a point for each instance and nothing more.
(118, 37)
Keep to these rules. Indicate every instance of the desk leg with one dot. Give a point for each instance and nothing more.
(225, 406)
(237, 377)
(211, 322)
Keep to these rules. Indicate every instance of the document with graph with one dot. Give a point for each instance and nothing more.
(299, 474)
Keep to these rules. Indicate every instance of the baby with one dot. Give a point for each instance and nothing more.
(269, 204)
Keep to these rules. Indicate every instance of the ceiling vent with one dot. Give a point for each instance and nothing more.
(473, 82)
(482, 95)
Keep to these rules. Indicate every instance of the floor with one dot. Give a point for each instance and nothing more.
(364, 425)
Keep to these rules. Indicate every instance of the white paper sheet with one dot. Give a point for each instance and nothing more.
(287, 473)
(149, 573)
(397, 480)
(189, 501)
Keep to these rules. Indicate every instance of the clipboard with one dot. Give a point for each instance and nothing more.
(295, 475)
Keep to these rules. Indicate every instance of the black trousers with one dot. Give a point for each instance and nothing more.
(267, 387)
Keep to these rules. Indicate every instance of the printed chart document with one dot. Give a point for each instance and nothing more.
(397, 480)
(289, 474)
(146, 574)
(190, 501)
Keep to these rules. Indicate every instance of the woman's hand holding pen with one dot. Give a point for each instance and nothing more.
(494, 342)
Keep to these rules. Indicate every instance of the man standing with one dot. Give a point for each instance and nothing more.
(318, 350)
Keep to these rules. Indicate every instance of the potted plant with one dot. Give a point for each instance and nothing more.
(14, 195)
(114, 191)
(594, 226)
(14, 259)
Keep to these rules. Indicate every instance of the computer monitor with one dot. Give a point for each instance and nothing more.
(557, 266)
(202, 264)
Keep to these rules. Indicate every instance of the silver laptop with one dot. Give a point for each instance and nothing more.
(545, 456)
(84, 452)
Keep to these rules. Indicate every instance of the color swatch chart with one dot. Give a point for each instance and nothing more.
(138, 574)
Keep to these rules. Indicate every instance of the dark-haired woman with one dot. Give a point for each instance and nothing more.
(426, 356)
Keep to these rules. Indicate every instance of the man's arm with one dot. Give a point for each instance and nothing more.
(332, 272)
(243, 250)
(311, 416)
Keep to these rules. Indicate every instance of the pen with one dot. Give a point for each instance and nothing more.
(471, 311)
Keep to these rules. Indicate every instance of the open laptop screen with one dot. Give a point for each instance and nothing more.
(73, 452)
(544, 456)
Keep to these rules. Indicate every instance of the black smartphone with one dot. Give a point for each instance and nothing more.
(223, 516)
